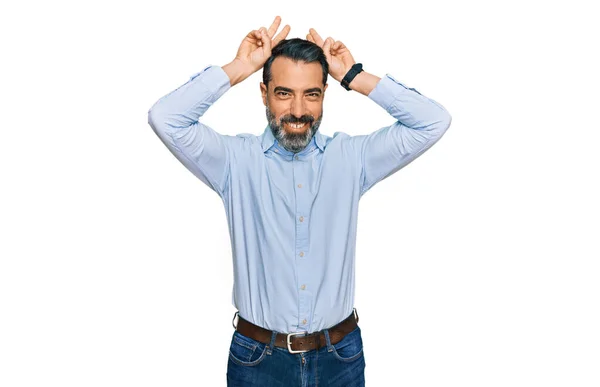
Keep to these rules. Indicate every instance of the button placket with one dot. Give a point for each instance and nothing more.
(302, 244)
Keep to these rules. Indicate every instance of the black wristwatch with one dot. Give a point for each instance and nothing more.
(353, 72)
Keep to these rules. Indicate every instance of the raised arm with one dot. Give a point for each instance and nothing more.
(420, 121)
(175, 117)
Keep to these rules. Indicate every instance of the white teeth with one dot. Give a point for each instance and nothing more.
(295, 126)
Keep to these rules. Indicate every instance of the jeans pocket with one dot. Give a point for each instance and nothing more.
(246, 351)
(350, 347)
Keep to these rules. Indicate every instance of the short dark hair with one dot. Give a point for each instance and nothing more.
(298, 50)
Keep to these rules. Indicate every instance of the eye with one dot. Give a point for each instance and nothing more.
(313, 95)
(283, 93)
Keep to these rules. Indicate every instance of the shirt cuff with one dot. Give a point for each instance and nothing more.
(215, 79)
(386, 90)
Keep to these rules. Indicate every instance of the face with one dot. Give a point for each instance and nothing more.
(294, 102)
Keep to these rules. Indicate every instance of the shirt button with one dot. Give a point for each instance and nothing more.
(302, 218)
(299, 185)
(296, 157)
(304, 321)
(302, 253)
(303, 287)
(277, 150)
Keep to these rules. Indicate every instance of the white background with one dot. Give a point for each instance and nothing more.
(477, 264)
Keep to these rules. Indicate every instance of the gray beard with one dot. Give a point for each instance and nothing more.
(293, 142)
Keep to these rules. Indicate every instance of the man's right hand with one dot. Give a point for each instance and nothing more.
(254, 51)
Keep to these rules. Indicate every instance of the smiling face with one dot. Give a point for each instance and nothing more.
(294, 101)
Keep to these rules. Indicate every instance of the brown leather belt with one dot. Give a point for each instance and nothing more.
(299, 341)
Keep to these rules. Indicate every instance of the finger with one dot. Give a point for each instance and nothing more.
(327, 49)
(266, 41)
(282, 35)
(254, 34)
(309, 38)
(274, 27)
(253, 37)
(316, 37)
(329, 43)
(334, 44)
(342, 49)
(257, 37)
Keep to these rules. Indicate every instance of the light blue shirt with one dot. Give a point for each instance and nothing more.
(293, 217)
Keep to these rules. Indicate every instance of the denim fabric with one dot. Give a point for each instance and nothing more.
(252, 363)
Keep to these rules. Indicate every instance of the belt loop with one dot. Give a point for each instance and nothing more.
(356, 314)
(327, 340)
(272, 343)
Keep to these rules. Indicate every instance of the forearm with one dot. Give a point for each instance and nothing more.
(185, 105)
(408, 106)
(364, 82)
(236, 71)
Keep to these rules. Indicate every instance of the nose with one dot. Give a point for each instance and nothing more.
(297, 109)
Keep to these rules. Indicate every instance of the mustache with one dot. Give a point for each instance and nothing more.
(290, 119)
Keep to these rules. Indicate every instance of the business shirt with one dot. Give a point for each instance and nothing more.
(292, 217)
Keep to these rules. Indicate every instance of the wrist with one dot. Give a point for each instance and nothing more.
(237, 71)
(340, 77)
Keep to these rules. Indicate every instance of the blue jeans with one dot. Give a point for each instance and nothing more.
(252, 363)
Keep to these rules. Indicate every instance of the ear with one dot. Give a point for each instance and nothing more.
(263, 91)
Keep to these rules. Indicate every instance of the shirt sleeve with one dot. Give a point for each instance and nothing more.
(420, 123)
(174, 118)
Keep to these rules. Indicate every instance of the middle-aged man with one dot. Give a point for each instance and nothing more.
(291, 197)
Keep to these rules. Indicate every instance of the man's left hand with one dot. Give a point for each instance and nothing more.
(339, 58)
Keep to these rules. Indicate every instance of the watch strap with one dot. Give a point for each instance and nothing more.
(353, 72)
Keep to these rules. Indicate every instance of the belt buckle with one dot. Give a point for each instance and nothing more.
(289, 341)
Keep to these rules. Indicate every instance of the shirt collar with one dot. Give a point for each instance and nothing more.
(268, 139)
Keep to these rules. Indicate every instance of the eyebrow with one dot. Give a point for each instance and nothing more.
(287, 89)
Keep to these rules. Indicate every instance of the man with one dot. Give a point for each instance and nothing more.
(291, 198)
